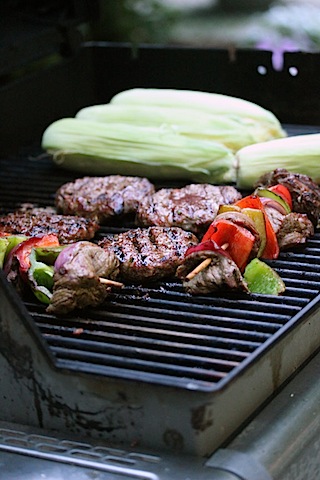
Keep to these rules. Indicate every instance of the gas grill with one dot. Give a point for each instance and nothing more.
(154, 383)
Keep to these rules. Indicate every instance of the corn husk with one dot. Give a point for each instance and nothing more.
(234, 132)
(158, 153)
(299, 153)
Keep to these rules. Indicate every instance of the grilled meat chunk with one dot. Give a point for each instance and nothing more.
(295, 229)
(78, 270)
(102, 198)
(222, 272)
(305, 192)
(34, 222)
(192, 207)
(292, 229)
(149, 254)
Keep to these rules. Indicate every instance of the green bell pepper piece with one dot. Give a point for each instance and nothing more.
(41, 278)
(7, 243)
(48, 255)
(262, 279)
(4, 242)
(264, 192)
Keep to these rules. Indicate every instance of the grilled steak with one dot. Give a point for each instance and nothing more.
(102, 198)
(42, 221)
(149, 254)
(192, 207)
(78, 270)
(305, 192)
(221, 273)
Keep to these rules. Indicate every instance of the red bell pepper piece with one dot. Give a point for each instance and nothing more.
(22, 252)
(237, 241)
(283, 192)
(271, 250)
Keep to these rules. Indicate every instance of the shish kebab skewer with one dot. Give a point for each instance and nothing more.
(81, 274)
(62, 276)
(278, 193)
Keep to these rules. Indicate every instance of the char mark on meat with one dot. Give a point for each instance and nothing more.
(305, 192)
(103, 198)
(44, 221)
(222, 273)
(149, 254)
(77, 280)
(192, 207)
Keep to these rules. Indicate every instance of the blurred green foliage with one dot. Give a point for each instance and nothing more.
(135, 21)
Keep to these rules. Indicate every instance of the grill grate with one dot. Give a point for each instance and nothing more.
(161, 334)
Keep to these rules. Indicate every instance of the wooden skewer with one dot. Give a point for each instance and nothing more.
(198, 269)
(112, 283)
(205, 263)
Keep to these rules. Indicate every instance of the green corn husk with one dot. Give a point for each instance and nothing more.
(213, 103)
(116, 148)
(300, 153)
(235, 132)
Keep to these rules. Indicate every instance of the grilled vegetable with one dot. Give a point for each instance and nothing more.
(271, 250)
(213, 103)
(237, 241)
(299, 153)
(154, 152)
(7, 243)
(40, 276)
(234, 131)
(21, 253)
(267, 193)
(283, 192)
(257, 216)
(262, 279)
(3, 249)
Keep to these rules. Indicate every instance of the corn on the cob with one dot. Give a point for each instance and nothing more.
(235, 132)
(117, 148)
(300, 153)
(213, 103)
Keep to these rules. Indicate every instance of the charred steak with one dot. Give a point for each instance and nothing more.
(102, 198)
(77, 277)
(149, 254)
(192, 207)
(42, 221)
(305, 192)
